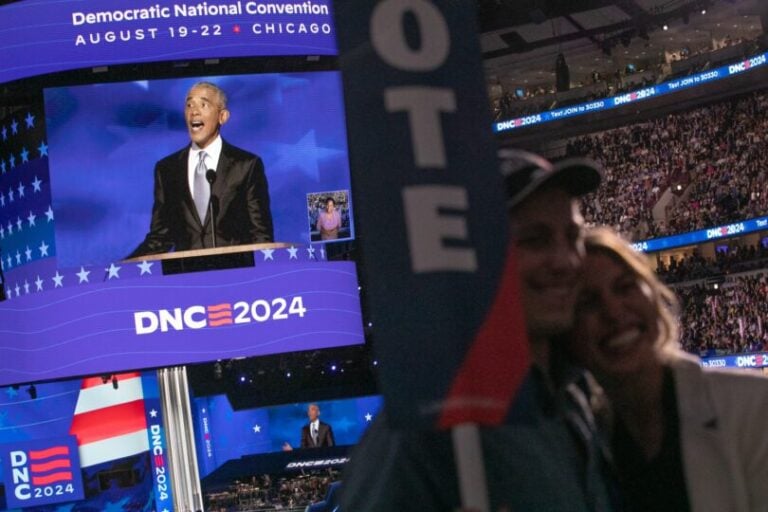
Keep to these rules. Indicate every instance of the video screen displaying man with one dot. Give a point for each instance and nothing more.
(316, 433)
(294, 122)
(209, 188)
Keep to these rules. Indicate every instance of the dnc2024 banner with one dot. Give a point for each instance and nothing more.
(154, 320)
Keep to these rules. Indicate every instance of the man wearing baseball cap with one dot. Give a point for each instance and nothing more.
(546, 233)
(548, 456)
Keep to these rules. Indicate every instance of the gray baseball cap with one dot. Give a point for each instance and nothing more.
(525, 172)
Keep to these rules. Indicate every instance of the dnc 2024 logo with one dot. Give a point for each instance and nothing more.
(41, 472)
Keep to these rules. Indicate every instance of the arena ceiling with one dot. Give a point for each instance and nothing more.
(520, 39)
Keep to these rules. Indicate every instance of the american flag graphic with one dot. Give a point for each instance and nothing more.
(110, 423)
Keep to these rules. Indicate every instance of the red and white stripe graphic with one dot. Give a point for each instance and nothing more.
(53, 459)
(110, 423)
(219, 314)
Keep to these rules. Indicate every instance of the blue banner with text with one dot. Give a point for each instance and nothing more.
(429, 194)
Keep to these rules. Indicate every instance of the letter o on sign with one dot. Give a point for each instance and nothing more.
(389, 40)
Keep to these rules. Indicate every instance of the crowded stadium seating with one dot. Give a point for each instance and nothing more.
(710, 159)
(726, 319)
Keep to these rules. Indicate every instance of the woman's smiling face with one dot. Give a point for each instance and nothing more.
(617, 322)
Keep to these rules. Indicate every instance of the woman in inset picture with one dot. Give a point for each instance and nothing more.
(683, 437)
(329, 221)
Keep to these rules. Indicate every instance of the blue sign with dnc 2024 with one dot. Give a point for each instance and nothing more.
(41, 472)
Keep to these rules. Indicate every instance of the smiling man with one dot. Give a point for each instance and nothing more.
(181, 214)
(549, 455)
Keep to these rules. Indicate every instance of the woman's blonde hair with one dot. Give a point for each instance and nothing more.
(606, 241)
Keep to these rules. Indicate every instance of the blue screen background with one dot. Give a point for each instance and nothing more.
(104, 140)
(233, 434)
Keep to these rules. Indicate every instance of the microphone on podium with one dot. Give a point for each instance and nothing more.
(210, 176)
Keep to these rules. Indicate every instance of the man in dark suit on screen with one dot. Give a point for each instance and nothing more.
(316, 433)
(181, 214)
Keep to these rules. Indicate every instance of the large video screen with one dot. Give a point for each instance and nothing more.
(81, 178)
(224, 434)
(115, 254)
(104, 141)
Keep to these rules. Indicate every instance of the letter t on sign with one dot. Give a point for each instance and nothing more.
(424, 106)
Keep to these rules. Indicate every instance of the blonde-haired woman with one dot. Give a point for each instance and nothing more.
(683, 437)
